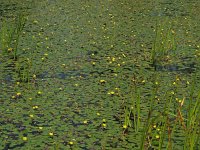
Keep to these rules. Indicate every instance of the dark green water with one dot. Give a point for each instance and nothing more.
(83, 51)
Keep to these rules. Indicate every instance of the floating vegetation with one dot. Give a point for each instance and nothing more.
(99, 75)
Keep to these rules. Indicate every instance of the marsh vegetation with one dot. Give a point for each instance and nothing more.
(99, 75)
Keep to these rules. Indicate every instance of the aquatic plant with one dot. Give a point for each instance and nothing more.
(10, 36)
(193, 118)
(109, 97)
(135, 106)
(164, 42)
(23, 68)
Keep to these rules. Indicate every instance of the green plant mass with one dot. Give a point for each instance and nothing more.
(99, 75)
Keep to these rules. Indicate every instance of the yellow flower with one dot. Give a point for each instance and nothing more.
(35, 107)
(18, 94)
(98, 114)
(39, 92)
(40, 128)
(104, 120)
(157, 136)
(31, 116)
(102, 81)
(85, 121)
(51, 133)
(10, 49)
(24, 138)
(112, 92)
(45, 54)
(34, 76)
(124, 126)
(71, 143)
(104, 125)
(158, 129)
(35, 22)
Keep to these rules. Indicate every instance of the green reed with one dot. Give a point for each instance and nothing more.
(136, 108)
(10, 35)
(23, 69)
(150, 119)
(192, 130)
(132, 109)
(164, 42)
(127, 118)
(193, 118)
(20, 23)
(6, 37)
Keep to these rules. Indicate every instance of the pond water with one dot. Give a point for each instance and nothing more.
(83, 76)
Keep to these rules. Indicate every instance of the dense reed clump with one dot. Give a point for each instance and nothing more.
(10, 34)
(164, 42)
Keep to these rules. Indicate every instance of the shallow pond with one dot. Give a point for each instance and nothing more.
(83, 77)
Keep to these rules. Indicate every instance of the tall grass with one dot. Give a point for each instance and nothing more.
(182, 118)
(164, 41)
(20, 23)
(135, 106)
(6, 37)
(132, 109)
(192, 131)
(150, 119)
(10, 35)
